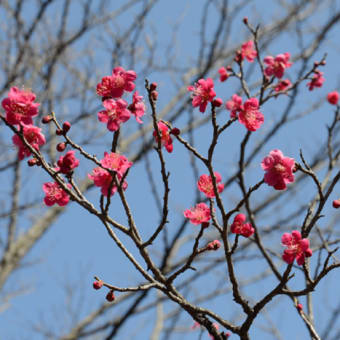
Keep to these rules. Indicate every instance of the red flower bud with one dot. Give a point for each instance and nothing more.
(175, 131)
(110, 296)
(66, 127)
(59, 132)
(245, 20)
(217, 102)
(61, 147)
(299, 307)
(153, 86)
(214, 245)
(97, 284)
(46, 119)
(154, 95)
(336, 204)
(33, 161)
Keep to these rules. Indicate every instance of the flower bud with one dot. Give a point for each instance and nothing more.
(217, 102)
(66, 127)
(110, 296)
(97, 284)
(175, 131)
(61, 147)
(33, 161)
(59, 132)
(154, 95)
(46, 119)
(214, 245)
(153, 86)
(336, 204)
(245, 20)
(299, 307)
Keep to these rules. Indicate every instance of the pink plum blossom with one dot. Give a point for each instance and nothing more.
(55, 194)
(282, 85)
(115, 85)
(137, 108)
(203, 92)
(279, 169)
(248, 51)
(234, 105)
(317, 80)
(223, 74)
(33, 136)
(198, 214)
(276, 66)
(116, 113)
(240, 227)
(67, 163)
(250, 116)
(205, 184)
(166, 139)
(115, 162)
(333, 97)
(297, 248)
(103, 179)
(20, 106)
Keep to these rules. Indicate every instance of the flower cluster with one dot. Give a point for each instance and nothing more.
(248, 51)
(205, 184)
(102, 177)
(198, 214)
(67, 163)
(297, 248)
(317, 80)
(248, 113)
(117, 110)
(203, 92)
(240, 227)
(33, 136)
(276, 66)
(20, 106)
(279, 169)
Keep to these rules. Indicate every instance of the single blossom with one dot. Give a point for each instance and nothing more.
(137, 108)
(116, 113)
(33, 136)
(205, 184)
(279, 169)
(164, 133)
(20, 106)
(198, 214)
(248, 51)
(282, 85)
(67, 163)
(103, 179)
(223, 74)
(234, 105)
(317, 80)
(55, 194)
(297, 248)
(116, 162)
(114, 86)
(276, 66)
(250, 116)
(333, 97)
(203, 92)
(240, 227)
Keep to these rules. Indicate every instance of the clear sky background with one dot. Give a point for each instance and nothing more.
(78, 246)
